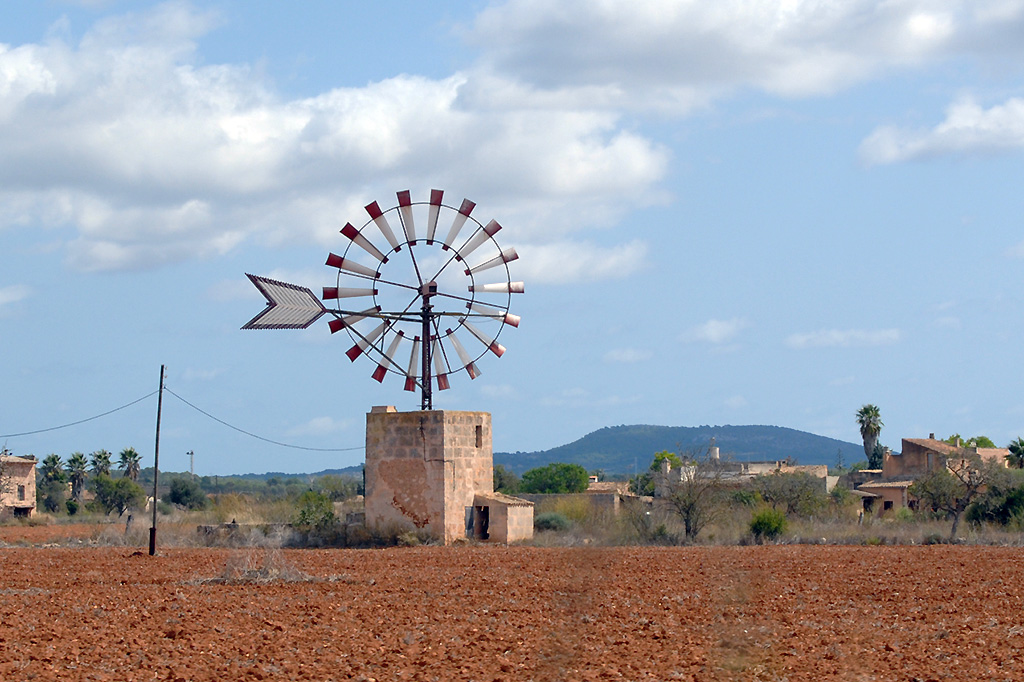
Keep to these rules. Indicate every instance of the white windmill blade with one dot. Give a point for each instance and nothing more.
(365, 342)
(467, 361)
(289, 306)
(492, 345)
(349, 265)
(389, 357)
(488, 311)
(381, 221)
(506, 256)
(410, 376)
(337, 324)
(440, 370)
(352, 233)
(460, 220)
(436, 196)
(499, 288)
(405, 210)
(331, 293)
(479, 237)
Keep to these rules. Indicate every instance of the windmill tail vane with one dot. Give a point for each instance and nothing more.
(423, 292)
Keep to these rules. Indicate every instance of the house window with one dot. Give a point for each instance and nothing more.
(887, 505)
(479, 436)
(21, 493)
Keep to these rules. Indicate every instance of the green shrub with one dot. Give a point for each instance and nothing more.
(767, 524)
(903, 515)
(315, 512)
(551, 521)
(72, 506)
(118, 495)
(557, 477)
(186, 492)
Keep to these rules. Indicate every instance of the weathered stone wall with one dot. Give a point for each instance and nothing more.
(20, 486)
(519, 524)
(423, 468)
(599, 502)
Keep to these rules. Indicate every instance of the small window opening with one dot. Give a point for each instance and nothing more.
(21, 493)
(479, 436)
(887, 505)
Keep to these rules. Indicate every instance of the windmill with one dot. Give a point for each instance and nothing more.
(422, 289)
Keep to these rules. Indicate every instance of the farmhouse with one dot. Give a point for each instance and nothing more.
(887, 488)
(17, 485)
(739, 473)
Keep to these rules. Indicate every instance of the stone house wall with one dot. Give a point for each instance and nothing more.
(424, 468)
(19, 496)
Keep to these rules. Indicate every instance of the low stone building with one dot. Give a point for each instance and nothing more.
(888, 488)
(739, 473)
(434, 470)
(17, 485)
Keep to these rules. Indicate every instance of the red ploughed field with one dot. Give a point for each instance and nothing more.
(520, 613)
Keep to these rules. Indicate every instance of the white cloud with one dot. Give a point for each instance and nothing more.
(675, 56)
(627, 355)
(503, 391)
(153, 157)
(581, 397)
(320, 426)
(13, 294)
(832, 338)
(716, 331)
(192, 374)
(968, 129)
(563, 262)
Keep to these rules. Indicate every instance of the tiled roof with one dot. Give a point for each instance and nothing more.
(608, 487)
(502, 498)
(16, 459)
(885, 484)
(933, 444)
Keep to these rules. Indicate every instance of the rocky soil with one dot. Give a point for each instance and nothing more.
(494, 613)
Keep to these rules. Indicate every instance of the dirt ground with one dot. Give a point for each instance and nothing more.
(495, 613)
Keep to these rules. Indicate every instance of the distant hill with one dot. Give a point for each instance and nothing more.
(618, 449)
(354, 471)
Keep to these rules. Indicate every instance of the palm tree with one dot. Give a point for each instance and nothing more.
(52, 484)
(1016, 456)
(52, 469)
(129, 463)
(76, 468)
(869, 419)
(100, 463)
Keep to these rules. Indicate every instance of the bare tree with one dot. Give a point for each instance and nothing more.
(5, 474)
(697, 493)
(952, 488)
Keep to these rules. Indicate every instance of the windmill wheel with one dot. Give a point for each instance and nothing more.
(429, 288)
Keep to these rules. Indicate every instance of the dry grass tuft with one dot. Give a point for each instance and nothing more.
(255, 567)
(262, 567)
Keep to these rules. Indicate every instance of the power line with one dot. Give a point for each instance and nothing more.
(80, 421)
(253, 435)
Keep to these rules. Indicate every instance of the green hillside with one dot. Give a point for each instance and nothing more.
(623, 449)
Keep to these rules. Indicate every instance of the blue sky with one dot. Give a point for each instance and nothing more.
(727, 213)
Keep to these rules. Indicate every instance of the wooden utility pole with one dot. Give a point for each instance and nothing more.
(156, 462)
